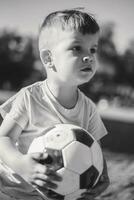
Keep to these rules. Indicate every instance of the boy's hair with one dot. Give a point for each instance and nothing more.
(74, 20)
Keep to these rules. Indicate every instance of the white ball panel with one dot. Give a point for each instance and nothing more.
(77, 157)
(37, 145)
(69, 183)
(57, 139)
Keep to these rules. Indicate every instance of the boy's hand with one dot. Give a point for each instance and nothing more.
(100, 187)
(39, 175)
(44, 183)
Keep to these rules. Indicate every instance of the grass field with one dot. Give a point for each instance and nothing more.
(120, 155)
(121, 173)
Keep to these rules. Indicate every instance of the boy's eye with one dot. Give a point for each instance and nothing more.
(76, 48)
(93, 50)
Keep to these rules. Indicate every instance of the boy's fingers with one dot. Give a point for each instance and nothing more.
(42, 169)
(41, 184)
(42, 158)
(44, 177)
(36, 156)
(39, 155)
(46, 159)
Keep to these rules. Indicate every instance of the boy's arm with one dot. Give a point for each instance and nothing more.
(9, 133)
(26, 165)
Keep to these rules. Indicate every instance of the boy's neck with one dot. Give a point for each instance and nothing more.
(66, 95)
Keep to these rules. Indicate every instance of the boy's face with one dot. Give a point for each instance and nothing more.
(74, 57)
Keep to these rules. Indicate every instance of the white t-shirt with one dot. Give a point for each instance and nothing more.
(35, 110)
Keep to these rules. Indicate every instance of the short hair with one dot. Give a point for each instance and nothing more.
(74, 20)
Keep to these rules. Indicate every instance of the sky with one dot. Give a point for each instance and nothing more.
(25, 16)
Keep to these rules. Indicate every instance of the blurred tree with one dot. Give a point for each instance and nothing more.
(128, 64)
(16, 59)
(107, 48)
(107, 53)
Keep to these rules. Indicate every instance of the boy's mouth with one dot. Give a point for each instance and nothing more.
(86, 69)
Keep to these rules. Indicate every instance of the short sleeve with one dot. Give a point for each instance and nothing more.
(16, 109)
(96, 126)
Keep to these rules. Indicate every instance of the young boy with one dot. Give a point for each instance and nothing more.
(68, 43)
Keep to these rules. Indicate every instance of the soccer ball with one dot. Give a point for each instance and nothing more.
(76, 156)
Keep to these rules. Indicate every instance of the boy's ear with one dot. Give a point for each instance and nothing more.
(46, 57)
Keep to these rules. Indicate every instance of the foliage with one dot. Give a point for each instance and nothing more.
(16, 59)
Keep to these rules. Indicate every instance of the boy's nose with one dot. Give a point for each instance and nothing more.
(86, 59)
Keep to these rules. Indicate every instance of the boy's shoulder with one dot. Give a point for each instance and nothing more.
(34, 89)
(22, 97)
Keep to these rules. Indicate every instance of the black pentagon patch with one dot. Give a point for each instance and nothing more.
(83, 137)
(55, 159)
(54, 195)
(88, 178)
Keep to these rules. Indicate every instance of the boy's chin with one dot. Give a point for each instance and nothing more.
(82, 82)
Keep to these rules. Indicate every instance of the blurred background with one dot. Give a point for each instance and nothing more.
(112, 88)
